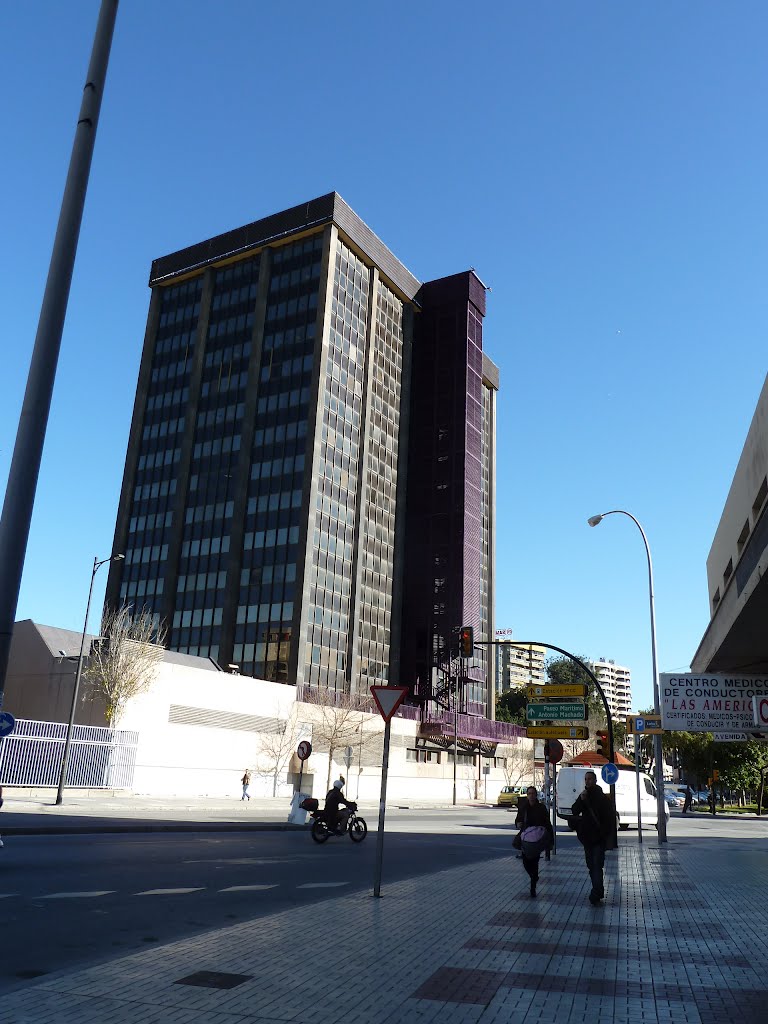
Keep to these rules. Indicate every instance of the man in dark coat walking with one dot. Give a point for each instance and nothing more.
(595, 823)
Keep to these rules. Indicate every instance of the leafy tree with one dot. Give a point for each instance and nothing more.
(563, 671)
(510, 705)
(124, 660)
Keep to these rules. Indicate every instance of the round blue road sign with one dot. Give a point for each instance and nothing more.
(610, 773)
(7, 723)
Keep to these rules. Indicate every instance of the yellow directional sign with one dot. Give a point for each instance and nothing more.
(557, 732)
(557, 690)
(645, 725)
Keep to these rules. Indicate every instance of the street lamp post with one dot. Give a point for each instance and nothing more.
(67, 742)
(658, 756)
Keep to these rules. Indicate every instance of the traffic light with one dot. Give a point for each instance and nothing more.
(602, 745)
(466, 641)
(715, 775)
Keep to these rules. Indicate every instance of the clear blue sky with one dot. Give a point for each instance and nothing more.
(601, 165)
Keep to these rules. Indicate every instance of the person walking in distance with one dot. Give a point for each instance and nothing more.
(246, 781)
(688, 798)
(594, 815)
(536, 834)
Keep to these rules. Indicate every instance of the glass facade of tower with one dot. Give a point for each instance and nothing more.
(152, 497)
(267, 570)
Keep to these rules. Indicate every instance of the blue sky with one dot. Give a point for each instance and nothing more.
(601, 165)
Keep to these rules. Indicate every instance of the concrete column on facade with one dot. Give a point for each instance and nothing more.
(187, 443)
(398, 561)
(297, 668)
(117, 569)
(244, 461)
(353, 644)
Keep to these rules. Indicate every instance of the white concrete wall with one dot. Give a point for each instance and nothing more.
(192, 759)
(196, 760)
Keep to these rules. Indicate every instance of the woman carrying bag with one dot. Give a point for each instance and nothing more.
(535, 834)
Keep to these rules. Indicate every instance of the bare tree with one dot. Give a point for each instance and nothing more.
(123, 662)
(518, 763)
(337, 721)
(276, 748)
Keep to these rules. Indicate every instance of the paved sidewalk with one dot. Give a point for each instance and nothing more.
(676, 942)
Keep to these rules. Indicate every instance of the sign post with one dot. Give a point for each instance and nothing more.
(303, 751)
(388, 700)
(555, 756)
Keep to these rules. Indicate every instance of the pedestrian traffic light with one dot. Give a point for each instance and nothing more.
(466, 641)
(602, 745)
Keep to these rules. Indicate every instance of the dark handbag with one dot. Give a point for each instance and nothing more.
(517, 843)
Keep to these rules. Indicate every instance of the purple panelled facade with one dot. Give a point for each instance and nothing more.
(444, 507)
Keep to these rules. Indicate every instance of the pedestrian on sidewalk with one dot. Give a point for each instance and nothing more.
(688, 798)
(594, 816)
(536, 834)
(246, 781)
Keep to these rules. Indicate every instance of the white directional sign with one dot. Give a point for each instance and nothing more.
(722, 703)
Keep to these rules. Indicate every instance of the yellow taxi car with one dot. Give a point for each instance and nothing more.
(509, 796)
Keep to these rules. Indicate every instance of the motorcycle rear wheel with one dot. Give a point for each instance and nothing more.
(319, 832)
(358, 830)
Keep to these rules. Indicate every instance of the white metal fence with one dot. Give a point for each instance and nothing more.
(99, 758)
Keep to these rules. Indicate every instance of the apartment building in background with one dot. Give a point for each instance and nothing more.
(308, 494)
(616, 682)
(518, 666)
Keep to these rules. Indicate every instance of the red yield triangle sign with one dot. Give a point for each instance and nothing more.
(388, 699)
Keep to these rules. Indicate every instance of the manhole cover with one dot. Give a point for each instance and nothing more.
(214, 979)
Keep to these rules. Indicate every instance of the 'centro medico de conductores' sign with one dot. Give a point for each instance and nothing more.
(691, 703)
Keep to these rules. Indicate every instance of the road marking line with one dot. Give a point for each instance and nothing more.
(321, 885)
(7, 895)
(170, 892)
(76, 895)
(247, 888)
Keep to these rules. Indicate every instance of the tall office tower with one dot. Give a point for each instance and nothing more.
(617, 683)
(450, 498)
(263, 508)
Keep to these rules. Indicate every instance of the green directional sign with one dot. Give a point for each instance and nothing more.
(568, 711)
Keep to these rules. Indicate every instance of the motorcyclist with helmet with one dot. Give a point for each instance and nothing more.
(336, 818)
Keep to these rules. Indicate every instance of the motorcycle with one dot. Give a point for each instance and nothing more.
(356, 827)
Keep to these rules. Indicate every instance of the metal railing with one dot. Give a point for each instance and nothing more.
(99, 758)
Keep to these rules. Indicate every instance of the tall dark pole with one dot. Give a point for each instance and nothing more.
(76, 691)
(30, 437)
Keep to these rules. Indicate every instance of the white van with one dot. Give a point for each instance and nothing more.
(570, 783)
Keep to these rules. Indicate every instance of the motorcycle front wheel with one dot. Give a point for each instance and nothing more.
(319, 832)
(358, 830)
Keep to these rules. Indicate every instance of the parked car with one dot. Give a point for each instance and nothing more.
(672, 798)
(510, 795)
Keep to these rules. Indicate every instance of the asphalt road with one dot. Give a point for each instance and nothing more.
(69, 901)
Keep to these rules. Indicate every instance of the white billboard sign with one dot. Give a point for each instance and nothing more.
(693, 703)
